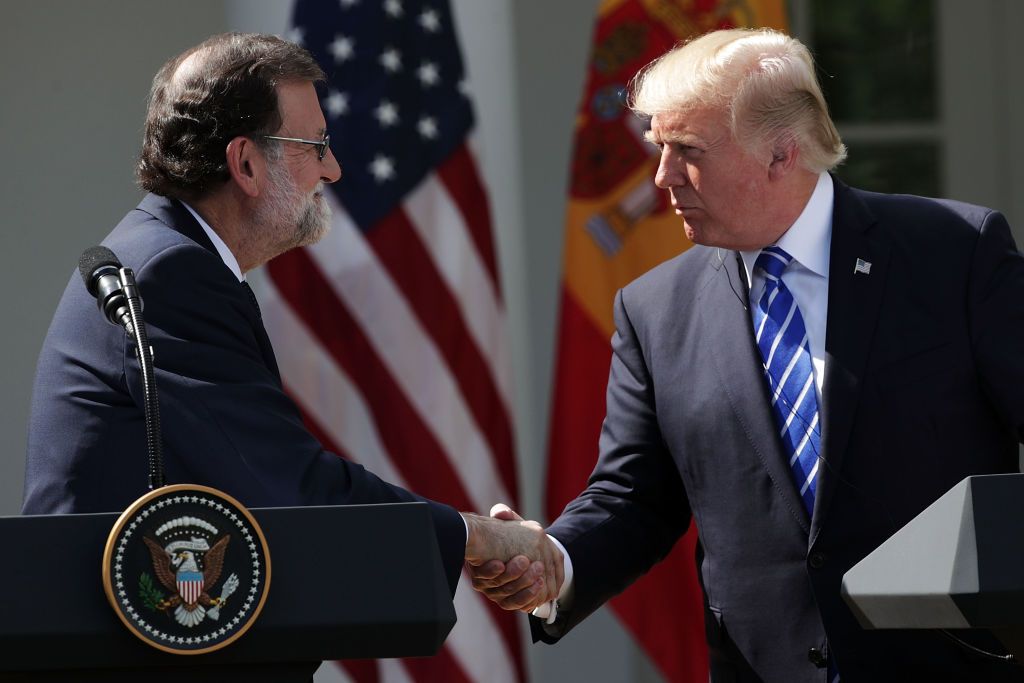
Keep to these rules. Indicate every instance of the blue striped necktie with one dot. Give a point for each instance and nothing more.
(782, 339)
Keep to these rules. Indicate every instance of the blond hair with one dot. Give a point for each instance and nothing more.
(762, 79)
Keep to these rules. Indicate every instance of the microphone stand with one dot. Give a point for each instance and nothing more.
(144, 353)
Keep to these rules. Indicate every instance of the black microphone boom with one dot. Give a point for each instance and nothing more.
(118, 298)
(100, 268)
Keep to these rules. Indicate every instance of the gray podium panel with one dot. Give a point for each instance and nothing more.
(959, 564)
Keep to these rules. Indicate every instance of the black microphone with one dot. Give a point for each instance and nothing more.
(100, 270)
(118, 297)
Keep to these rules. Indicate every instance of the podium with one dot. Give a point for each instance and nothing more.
(356, 581)
(957, 565)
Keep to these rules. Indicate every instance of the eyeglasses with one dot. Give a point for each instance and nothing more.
(321, 145)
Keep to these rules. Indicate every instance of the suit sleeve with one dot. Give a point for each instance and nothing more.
(996, 300)
(226, 420)
(634, 507)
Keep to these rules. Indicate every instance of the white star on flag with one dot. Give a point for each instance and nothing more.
(391, 59)
(427, 323)
(343, 48)
(386, 113)
(429, 21)
(427, 127)
(428, 75)
(382, 168)
(336, 103)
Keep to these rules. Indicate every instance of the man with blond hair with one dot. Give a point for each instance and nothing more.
(818, 369)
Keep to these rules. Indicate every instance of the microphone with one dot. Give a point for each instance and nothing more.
(100, 269)
(118, 298)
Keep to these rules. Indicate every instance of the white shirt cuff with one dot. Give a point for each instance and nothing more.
(549, 610)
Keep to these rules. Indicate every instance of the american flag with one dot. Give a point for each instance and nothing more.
(390, 332)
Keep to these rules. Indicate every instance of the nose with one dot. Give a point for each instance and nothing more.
(331, 169)
(671, 171)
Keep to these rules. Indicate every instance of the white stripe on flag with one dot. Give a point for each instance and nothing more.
(438, 222)
(331, 672)
(392, 671)
(412, 359)
(476, 640)
(323, 389)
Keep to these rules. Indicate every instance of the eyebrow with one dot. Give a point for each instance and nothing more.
(683, 138)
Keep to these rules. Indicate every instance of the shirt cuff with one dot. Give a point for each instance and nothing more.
(549, 610)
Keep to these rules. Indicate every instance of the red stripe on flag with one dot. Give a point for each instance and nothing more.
(409, 443)
(440, 667)
(460, 177)
(506, 621)
(360, 670)
(402, 253)
(581, 377)
(318, 432)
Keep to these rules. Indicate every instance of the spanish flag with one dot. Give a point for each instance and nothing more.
(619, 225)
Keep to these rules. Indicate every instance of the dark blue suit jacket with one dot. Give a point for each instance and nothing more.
(924, 385)
(227, 422)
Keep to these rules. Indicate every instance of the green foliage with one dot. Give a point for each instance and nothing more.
(150, 594)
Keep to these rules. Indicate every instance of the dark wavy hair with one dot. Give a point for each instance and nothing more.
(228, 90)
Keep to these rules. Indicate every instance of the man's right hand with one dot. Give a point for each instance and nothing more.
(499, 554)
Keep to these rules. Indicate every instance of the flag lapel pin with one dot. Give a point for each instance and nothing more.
(862, 266)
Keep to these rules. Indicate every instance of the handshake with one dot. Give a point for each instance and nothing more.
(511, 560)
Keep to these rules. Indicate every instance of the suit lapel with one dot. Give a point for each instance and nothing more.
(854, 299)
(174, 215)
(724, 312)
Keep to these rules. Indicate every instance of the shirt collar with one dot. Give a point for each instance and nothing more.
(225, 254)
(809, 239)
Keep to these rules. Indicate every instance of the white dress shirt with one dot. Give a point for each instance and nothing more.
(808, 241)
(225, 254)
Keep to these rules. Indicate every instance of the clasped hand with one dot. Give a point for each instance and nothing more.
(511, 560)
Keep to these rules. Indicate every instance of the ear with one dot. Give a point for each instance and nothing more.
(246, 164)
(785, 155)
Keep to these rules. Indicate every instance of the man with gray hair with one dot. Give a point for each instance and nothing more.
(235, 157)
(818, 369)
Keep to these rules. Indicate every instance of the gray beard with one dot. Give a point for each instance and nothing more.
(287, 219)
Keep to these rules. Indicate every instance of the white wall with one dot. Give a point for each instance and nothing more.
(73, 83)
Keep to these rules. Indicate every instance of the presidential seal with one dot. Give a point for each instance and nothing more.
(186, 568)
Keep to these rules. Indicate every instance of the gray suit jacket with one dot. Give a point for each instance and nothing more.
(924, 385)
